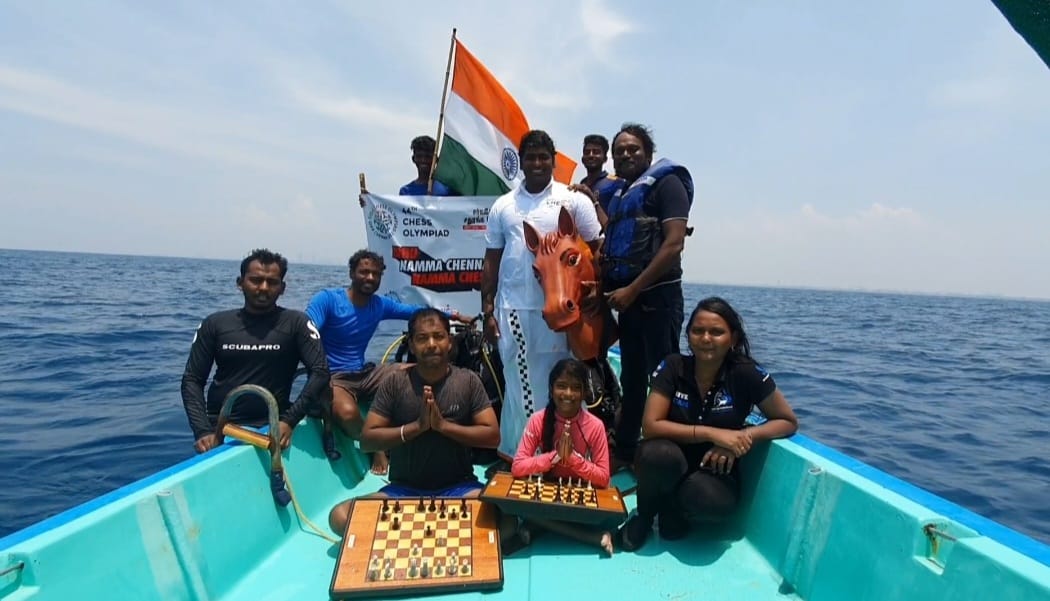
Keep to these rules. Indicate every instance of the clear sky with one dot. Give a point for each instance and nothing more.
(893, 145)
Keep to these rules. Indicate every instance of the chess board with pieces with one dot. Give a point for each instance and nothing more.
(566, 499)
(418, 545)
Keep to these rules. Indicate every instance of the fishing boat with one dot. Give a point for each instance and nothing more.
(815, 524)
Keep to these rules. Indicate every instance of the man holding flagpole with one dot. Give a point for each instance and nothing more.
(511, 298)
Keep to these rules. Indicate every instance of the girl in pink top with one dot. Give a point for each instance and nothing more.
(563, 441)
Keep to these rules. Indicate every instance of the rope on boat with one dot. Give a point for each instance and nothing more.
(302, 516)
(395, 343)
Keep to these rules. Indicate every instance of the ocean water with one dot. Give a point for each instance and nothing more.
(951, 394)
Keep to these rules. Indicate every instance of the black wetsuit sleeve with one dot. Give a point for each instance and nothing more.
(311, 354)
(194, 378)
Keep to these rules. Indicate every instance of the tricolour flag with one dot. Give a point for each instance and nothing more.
(483, 125)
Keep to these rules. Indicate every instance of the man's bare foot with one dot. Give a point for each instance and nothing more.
(607, 543)
(380, 463)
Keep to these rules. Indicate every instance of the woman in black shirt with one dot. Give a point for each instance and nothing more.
(694, 426)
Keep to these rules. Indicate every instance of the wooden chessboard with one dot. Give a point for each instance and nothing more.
(569, 502)
(389, 541)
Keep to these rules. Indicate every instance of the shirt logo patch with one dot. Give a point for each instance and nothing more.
(723, 401)
(681, 399)
(314, 334)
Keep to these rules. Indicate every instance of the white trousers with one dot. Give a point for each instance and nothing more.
(529, 349)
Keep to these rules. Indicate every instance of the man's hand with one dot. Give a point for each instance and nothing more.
(590, 300)
(491, 330)
(285, 435)
(621, 298)
(361, 197)
(585, 190)
(205, 443)
(437, 421)
(458, 317)
(719, 460)
(423, 422)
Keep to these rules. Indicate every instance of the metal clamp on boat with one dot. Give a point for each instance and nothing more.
(271, 442)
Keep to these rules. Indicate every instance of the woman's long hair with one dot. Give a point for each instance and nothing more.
(567, 367)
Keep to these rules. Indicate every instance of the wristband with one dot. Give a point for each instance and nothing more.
(403, 433)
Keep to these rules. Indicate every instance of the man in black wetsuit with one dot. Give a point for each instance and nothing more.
(260, 344)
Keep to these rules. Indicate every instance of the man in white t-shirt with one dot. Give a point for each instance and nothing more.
(511, 298)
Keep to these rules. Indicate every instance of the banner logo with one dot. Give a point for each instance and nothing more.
(382, 221)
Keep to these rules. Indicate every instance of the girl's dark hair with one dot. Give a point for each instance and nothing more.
(741, 351)
(565, 367)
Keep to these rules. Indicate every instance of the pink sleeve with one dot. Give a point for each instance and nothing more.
(596, 470)
(526, 461)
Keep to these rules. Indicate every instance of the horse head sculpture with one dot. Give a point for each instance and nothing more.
(566, 270)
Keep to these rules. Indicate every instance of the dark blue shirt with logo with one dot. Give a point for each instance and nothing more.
(727, 404)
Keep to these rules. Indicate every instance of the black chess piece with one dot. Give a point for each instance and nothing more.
(442, 504)
(420, 506)
(432, 507)
(383, 515)
(397, 506)
(464, 512)
(386, 505)
(396, 524)
(428, 532)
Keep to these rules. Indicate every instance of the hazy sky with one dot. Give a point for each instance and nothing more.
(893, 145)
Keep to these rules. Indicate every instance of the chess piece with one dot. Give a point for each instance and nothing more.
(452, 570)
(428, 532)
(424, 572)
(465, 569)
(397, 506)
(464, 511)
(396, 524)
(415, 549)
(442, 504)
(386, 505)
(383, 516)
(420, 507)
(452, 515)
(412, 568)
(432, 506)
(372, 575)
(388, 574)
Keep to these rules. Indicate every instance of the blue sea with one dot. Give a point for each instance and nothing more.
(951, 394)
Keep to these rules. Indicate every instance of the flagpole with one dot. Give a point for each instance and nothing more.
(441, 115)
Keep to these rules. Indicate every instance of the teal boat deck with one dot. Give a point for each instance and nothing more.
(815, 525)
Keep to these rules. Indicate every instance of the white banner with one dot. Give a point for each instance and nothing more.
(433, 247)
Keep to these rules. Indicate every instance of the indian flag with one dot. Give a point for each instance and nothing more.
(483, 125)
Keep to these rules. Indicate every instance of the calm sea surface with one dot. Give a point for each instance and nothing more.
(950, 394)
